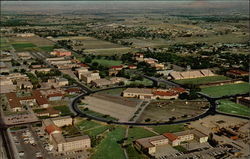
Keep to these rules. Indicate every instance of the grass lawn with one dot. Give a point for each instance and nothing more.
(96, 130)
(145, 82)
(228, 106)
(202, 80)
(22, 46)
(107, 63)
(86, 124)
(133, 153)
(168, 128)
(137, 133)
(109, 148)
(64, 110)
(47, 48)
(228, 89)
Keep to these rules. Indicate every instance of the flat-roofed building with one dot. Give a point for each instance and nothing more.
(61, 52)
(59, 141)
(140, 93)
(89, 76)
(101, 82)
(149, 144)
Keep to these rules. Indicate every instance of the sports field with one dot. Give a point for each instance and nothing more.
(202, 80)
(228, 106)
(227, 89)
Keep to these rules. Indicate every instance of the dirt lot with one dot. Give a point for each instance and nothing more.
(117, 107)
(163, 110)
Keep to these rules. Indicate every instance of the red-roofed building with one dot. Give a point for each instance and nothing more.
(132, 66)
(237, 73)
(165, 94)
(173, 139)
(51, 129)
(179, 89)
(36, 97)
(55, 96)
(117, 68)
(83, 65)
(72, 91)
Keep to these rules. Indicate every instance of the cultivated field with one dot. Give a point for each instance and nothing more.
(36, 40)
(202, 80)
(148, 42)
(233, 108)
(162, 110)
(227, 89)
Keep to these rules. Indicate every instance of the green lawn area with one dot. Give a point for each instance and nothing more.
(202, 80)
(228, 89)
(228, 106)
(107, 63)
(47, 48)
(22, 46)
(64, 110)
(180, 148)
(145, 82)
(109, 148)
(96, 130)
(138, 132)
(168, 128)
(133, 153)
(86, 124)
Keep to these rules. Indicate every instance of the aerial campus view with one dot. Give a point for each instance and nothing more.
(115, 79)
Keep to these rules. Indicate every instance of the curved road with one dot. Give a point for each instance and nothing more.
(210, 111)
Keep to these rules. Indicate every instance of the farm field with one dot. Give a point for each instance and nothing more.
(160, 43)
(228, 106)
(202, 80)
(228, 89)
(36, 40)
(22, 46)
(110, 51)
(109, 143)
(168, 128)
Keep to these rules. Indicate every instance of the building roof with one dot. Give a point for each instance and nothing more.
(199, 133)
(14, 102)
(179, 89)
(238, 72)
(55, 95)
(170, 136)
(52, 128)
(69, 90)
(146, 142)
(138, 90)
(77, 138)
(115, 67)
(102, 82)
(165, 93)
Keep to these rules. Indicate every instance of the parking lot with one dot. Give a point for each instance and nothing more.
(28, 145)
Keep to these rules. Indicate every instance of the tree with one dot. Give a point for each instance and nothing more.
(88, 59)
